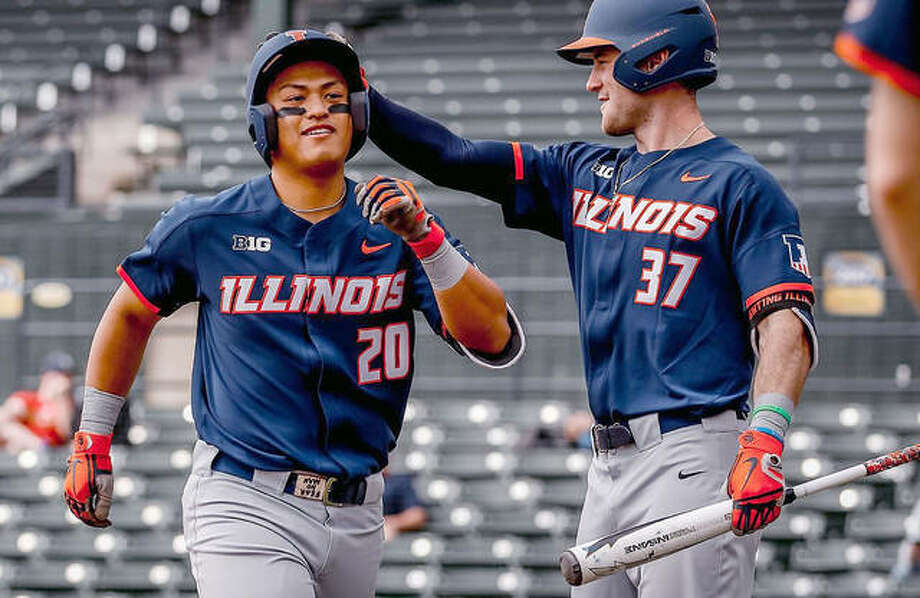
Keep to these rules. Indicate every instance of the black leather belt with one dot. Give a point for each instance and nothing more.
(618, 434)
(329, 490)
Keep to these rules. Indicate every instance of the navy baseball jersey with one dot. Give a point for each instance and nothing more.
(304, 351)
(880, 38)
(671, 273)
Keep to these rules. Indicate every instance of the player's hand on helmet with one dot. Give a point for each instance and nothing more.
(395, 204)
(88, 482)
(756, 483)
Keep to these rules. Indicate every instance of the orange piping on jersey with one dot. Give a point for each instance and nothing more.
(862, 58)
(785, 286)
(137, 292)
(518, 161)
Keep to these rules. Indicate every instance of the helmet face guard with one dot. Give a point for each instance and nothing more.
(292, 47)
(639, 29)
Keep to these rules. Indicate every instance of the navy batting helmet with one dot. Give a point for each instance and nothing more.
(280, 51)
(639, 29)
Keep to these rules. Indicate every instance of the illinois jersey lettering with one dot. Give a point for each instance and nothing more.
(353, 295)
(625, 213)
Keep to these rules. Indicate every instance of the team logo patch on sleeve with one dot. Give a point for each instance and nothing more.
(795, 246)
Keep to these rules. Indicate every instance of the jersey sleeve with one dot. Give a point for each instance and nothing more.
(162, 273)
(880, 38)
(424, 300)
(769, 258)
(540, 188)
(529, 183)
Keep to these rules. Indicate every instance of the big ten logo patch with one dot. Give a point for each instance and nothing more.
(602, 170)
(250, 243)
(795, 246)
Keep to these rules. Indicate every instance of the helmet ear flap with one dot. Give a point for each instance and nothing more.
(263, 130)
(360, 117)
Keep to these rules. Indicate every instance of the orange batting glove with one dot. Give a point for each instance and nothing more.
(395, 204)
(89, 481)
(755, 482)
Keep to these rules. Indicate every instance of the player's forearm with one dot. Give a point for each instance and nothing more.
(474, 312)
(411, 519)
(433, 151)
(785, 355)
(893, 144)
(119, 344)
(897, 223)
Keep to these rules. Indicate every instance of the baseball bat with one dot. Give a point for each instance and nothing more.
(650, 541)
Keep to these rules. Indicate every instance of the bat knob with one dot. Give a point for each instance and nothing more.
(571, 568)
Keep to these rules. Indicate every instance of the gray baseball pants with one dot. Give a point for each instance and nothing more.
(250, 539)
(648, 480)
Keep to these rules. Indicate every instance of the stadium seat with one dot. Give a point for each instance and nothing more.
(830, 556)
(842, 500)
(555, 463)
(406, 581)
(857, 584)
(168, 544)
(796, 523)
(135, 577)
(487, 551)
(543, 553)
(413, 549)
(548, 584)
(474, 581)
(789, 585)
(82, 542)
(532, 522)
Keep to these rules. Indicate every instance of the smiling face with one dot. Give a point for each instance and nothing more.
(621, 109)
(318, 138)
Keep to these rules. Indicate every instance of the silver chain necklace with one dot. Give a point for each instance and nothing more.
(320, 208)
(616, 183)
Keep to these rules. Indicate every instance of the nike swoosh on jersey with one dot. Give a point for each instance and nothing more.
(688, 178)
(369, 249)
(683, 476)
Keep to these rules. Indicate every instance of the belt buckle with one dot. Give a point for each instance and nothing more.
(326, 500)
(311, 486)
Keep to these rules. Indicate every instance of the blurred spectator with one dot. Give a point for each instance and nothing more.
(575, 432)
(402, 509)
(32, 419)
(908, 562)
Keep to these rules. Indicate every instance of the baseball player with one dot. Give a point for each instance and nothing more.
(687, 263)
(306, 287)
(880, 38)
